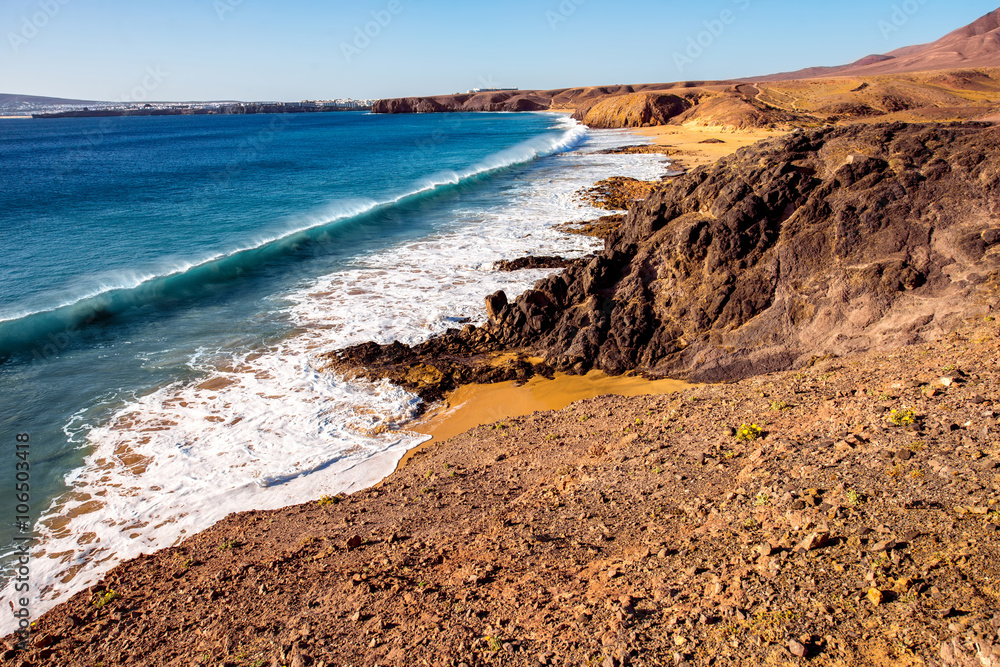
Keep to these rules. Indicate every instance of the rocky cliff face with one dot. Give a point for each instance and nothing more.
(823, 243)
(495, 101)
(828, 242)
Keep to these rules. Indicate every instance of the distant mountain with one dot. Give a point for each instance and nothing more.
(11, 100)
(975, 45)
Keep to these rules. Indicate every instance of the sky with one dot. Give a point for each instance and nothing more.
(287, 50)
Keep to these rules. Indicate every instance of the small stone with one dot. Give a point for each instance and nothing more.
(354, 542)
(904, 454)
(796, 648)
(947, 654)
(875, 596)
(813, 541)
(885, 545)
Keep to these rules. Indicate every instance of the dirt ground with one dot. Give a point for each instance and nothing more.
(844, 514)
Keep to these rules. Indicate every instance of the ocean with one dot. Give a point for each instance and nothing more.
(166, 284)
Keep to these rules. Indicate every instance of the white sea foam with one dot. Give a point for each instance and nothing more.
(269, 429)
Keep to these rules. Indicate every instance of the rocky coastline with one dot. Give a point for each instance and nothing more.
(834, 500)
(830, 242)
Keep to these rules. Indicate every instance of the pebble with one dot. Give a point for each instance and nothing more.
(796, 648)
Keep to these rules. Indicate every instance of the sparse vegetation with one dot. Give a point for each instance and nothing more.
(749, 433)
(854, 498)
(329, 500)
(762, 499)
(105, 597)
(903, 416)
(778, 406)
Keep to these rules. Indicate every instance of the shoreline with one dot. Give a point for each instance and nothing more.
(384, 465)
(474, 405)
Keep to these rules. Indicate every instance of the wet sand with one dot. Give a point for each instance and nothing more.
(474, 405)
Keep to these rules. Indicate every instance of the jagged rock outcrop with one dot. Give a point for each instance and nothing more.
(531, 262)
(827, 242)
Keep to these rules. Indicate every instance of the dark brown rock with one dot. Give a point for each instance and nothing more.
(531, 262)
(753, 264)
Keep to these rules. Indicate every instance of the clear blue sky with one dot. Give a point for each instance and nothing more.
(295, 49)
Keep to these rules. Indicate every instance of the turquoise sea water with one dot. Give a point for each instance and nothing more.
(165, 284)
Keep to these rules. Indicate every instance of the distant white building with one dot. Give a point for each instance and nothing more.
(488, 90)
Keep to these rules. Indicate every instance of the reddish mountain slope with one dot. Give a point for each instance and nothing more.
(975, 45)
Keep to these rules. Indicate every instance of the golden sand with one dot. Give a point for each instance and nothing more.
(688, 141)
(477, 404)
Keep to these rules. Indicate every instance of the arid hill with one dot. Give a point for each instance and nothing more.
(954, 78)
(971, 94)
(976, 45)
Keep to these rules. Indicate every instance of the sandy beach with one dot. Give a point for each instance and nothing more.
(476, 404)
(695, 145)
